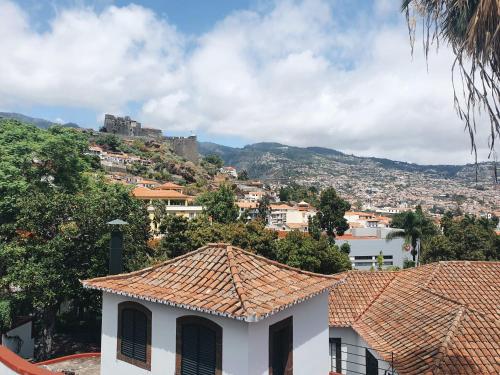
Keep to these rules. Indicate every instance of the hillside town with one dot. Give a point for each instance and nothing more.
(258, 187)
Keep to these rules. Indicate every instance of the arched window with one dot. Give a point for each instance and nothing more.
(134, 334)
(198, 347)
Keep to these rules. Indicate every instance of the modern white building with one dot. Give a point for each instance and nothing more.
(217, 310)
(366, 245)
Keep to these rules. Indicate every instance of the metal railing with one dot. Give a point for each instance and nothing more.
(359, 360)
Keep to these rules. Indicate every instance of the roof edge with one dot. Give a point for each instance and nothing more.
(249, 318)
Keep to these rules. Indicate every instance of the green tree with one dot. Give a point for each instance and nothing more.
(314, 227)
(380, 261)
(413, 227)
(215, 160)
(68, 241)
(264, 208)
(302, 251)
(110, 142)
(331, 210)
(345, 248)
(220, 204)
(52, 223)
(243, 175)
(438, 248)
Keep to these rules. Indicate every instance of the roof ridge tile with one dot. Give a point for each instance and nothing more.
(375, 298)
(235, 276)
(449, 335)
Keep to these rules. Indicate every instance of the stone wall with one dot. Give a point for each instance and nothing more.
(187, 147)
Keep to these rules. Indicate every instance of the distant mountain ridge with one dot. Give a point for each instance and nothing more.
(38, 122)
(271, 160)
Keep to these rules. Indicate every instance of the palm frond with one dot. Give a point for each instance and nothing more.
(472, 29)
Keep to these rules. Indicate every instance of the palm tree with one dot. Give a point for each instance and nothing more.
(413, 227)
(409, 228)
(472, 29)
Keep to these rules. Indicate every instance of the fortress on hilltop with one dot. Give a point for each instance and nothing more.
(186, 147)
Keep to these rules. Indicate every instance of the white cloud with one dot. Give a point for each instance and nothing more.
(100, 61)
(289, 74)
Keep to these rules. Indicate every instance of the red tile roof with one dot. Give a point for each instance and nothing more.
(222, 280)
(145, 193)
(169, 186)
(441, 318)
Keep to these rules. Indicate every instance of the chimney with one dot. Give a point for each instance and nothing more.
(116, 247)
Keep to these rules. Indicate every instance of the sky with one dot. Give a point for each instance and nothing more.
(330, 73)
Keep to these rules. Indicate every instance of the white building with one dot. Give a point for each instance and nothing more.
(19, 337)
(218, 310)
(282, 214)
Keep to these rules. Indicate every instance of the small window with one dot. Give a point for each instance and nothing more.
(198, 347)
(336, 355)
(281, 347)
(134, 334)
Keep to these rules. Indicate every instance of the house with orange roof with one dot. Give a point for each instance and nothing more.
(170, 186)
(176, 203)
(217, 310)
(441, 318)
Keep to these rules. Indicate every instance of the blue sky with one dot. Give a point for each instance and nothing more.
(331, 73)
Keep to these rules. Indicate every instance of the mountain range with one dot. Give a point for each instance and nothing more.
(38, 122)
(276, 161)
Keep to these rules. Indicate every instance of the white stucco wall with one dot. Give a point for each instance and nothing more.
(234, 339)
(353, 352)
(310, 338)
(23, 332)
(244, 345)
(4, 370)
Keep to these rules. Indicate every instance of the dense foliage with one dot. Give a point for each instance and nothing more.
(331, 210)
(220, 204)
(296, 249)
(53, 211)
(464, 238)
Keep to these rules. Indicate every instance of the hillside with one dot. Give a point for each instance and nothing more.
(277, 161)
(38, 122)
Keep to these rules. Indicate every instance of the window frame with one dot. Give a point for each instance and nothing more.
(194, 319)
(338, 354)
(273, 328)
(122, 357)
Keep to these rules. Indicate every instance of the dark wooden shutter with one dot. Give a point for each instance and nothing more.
(198, 350)
(206, 351)
(134, 334)
(189, 365)
(127, 344)
(140, 336)
(371, 363)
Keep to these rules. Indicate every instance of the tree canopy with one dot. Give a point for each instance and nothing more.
(220, 204)
(53, 210)
(331, 210)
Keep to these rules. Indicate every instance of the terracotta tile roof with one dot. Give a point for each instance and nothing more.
(169, 186)
(355, 295)
(220, 279)
(441, 318)
(145, 193)
(244, 204)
